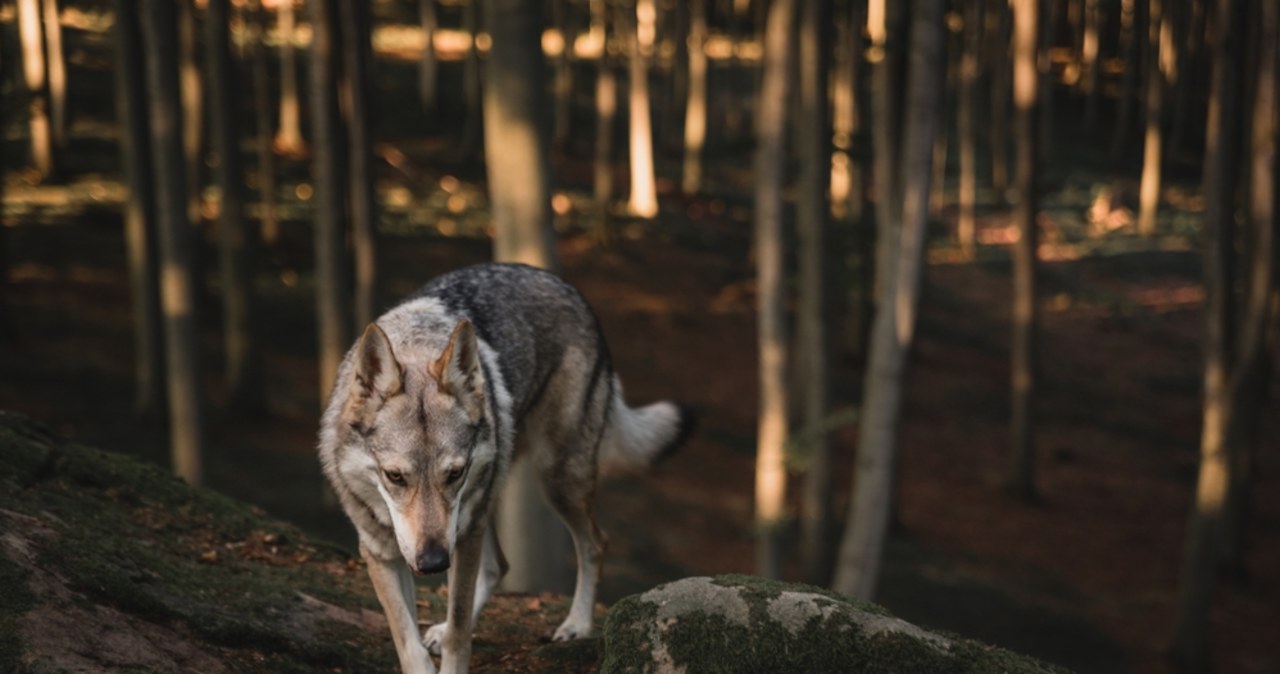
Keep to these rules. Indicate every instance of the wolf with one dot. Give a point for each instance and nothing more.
(431, 406)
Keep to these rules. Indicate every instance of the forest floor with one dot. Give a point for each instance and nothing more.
(1086, 577)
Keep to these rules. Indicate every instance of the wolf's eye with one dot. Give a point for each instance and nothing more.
(394, 477)
(453, 474)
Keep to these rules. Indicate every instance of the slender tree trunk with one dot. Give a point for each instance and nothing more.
(357, 94)
(1089, 62)
(882, 22)
(472, 89)
(34, 74)
(1149, 192)
(1190, 645)
(1046, 24)
(695, 119)
(57, 73)
(1189, 52)
(270, 224)
(333, 298)
(563, 82)
(813, 144)
(861, 550)
(606, 111)
(846, 173)
(644, 194)
(966, 117)
(1130, 47)
(242, 364)
(518, 165)
(1026, 96)
(427, 67)
(139, 215)
(998, 25)
(192, 112)
(289, 139)
(160, 41)
(770, 164)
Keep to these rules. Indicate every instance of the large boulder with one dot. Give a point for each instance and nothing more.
(742, 624)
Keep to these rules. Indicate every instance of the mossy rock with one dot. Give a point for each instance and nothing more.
(741, 625)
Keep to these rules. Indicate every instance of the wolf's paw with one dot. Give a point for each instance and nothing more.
(572, 629)
(433, 638)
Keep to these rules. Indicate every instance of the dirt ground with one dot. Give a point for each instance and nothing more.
(1086, 578)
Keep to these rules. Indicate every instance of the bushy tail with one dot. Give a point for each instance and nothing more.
(637, 438)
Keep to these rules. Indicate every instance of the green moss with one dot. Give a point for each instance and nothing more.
(830, 641)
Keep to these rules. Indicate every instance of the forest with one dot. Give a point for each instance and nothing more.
(976, 300)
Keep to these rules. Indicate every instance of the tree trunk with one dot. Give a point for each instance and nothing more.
(644, 194)
(563, 83)
(428, 65)
(139, 210)
(966, 116)
(892, 332)
(813, 145)
(34, 74)
(242, 364)
(160, 41)
(57, 73)
(1130, 47)
(269, 221)
(1190, 646)
(846, 172)
(472, 89)
(998, 28)
(357, 94)
(1026, 96)
(1089, 62)
(333, 298)
(1149, 192)
(192, 113)
(518, 166)
(770, 165)
(606, 111)
(289, 139)
(883, 19)
(695, 118)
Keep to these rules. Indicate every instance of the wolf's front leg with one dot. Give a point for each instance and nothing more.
(493, 566)
(393, 584)
(455, 643)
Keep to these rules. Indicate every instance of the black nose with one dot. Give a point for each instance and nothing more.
(433, 559)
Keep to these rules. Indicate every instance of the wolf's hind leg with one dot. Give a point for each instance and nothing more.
(574, 506)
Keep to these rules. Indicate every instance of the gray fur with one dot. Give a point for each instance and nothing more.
(432, 405)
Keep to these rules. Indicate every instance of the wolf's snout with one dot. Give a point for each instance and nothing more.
(433, 559)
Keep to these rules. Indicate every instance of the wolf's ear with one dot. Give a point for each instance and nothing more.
(458, 367)
(377, 372)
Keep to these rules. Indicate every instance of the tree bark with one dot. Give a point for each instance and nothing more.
(1025, 320)
(695, 118)
(813, 144)
(139, 214)
(289, 138)
(57, 73)
(242, 364)
(644, 194)
(34, 74)
(770, 164)
(357, 94)
(862, 547)
(1190, 644)
(333, 298)
(1149, 191)
(517, 162)
(160, 41)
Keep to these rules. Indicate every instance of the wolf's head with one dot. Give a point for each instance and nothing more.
(429, 430)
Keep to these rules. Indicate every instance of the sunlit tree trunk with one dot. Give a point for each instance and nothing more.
(1149, 191)
(57, 73)
(356, 92)
(606, 111)
(427, 66)
(770, 165)
(35, 75)
(998, 30)
(1190, 645)
(191, 88)
(813, 144)
(883, 30)
(695, 118)
(644, 192)
(846, 173)
(1026, 97)
(289, 138)
(966, 117)
(139, 210)
(333, 298)
(861, 549)
(242, 365)
(517, 163)
(177, 290)
(270, 224)
(1089, 61)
